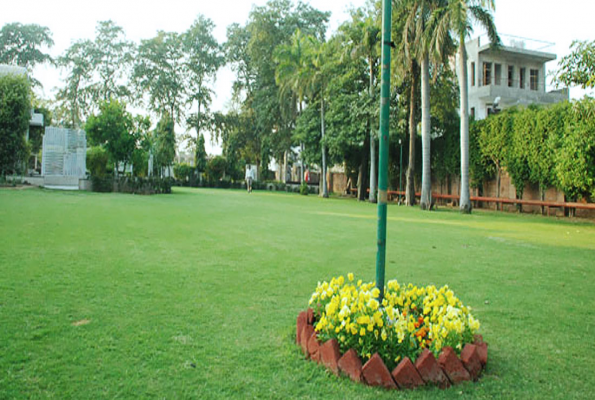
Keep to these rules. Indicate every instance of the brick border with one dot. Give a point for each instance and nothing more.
(446, 371)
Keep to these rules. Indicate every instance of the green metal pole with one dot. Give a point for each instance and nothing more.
(383, 159)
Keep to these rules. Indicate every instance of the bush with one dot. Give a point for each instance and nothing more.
(103, 184)
(97, 158)
(409, 319)
(216, 168)
(184, 172)
(134, 185)
(304, 189)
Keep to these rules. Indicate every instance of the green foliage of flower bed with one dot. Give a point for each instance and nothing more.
(408, 320)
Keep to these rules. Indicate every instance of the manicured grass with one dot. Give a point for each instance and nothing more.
(195, 294)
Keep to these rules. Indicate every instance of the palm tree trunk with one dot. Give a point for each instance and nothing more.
(284, 177)
(465, 205)
(426, 178)
(410, 190)
(301, 154)
(372, 142)
(363, 180)
(324, 185)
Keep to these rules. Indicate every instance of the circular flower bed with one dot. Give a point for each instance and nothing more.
(407, 323)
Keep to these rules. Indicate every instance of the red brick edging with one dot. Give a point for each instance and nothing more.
(447, 370)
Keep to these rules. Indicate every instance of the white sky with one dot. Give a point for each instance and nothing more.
(70, 20)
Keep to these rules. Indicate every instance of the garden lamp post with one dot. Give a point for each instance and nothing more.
(383, 150)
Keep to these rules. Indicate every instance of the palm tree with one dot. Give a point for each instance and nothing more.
(369, 48)
(459, 15)
(422, 20)
(417, 25)
(364, 35)
(316, 59)
(293, 74)
(408, 65)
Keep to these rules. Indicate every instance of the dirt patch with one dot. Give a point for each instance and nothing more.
(81, 322)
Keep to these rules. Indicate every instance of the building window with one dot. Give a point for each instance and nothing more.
(534, 79)
(487, 73)
(522, 77)
(472, 74)
(498, 74)
(472, 112)
(510, 76)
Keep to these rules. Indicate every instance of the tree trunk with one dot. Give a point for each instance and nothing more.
(542, 197)
(363, 181)
(301, 154)
(324, 185)
(498, 182)
(426, 178)
(410, 190)
(465, 205)
(284, 177)
(301, 163)
(373, 179)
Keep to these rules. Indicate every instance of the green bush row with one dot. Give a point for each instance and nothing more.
(134, 185)
(548, 146)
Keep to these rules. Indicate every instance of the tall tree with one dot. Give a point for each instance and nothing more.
(111, 57)
(366, 38)
(432, 48)
(249, 49)
(203, 59)
(165, 143)
(113, 128)
(15, 108)
(200, 155)
(318, 84)
(293, 75)
(408, 69)
(459, 16)
(22, 45)
(75, 96)
(159, 72)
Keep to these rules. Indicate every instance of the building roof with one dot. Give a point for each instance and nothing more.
(517, 52)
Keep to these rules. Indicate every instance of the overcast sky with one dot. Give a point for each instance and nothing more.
(546, 20)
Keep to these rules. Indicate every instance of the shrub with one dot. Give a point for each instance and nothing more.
(97, 158)
(184, 172)
(304, 189)
(216, 168)
(135, 185)
(408, 320)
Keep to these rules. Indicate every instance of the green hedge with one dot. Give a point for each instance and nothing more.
(134, 185)
(548, 146)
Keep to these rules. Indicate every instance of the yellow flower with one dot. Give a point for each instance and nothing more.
(350, 277)
(362, 332)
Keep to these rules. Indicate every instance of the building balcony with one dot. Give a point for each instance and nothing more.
(512, 96)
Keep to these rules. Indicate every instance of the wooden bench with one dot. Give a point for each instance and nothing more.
(499, 201)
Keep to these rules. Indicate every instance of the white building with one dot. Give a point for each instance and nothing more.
(513, 74)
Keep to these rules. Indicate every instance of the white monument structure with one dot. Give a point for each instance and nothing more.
(64, 159)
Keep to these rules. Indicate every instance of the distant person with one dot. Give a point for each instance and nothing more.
(249, 178)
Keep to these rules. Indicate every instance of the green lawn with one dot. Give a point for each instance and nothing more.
(195, 294)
